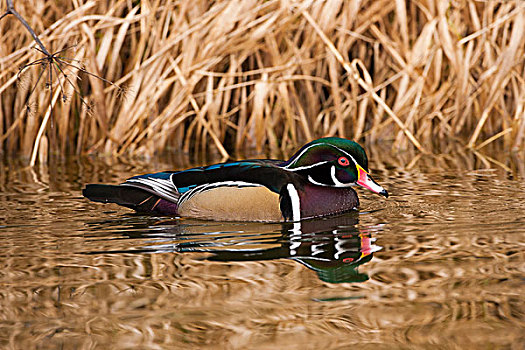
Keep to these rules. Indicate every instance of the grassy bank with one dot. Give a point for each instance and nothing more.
(237, 75)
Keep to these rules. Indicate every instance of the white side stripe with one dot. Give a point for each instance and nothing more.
(206, 187)
(296, 204)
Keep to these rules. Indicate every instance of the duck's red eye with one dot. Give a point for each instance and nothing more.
(343, 161)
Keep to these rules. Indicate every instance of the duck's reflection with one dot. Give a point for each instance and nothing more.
(333, 247)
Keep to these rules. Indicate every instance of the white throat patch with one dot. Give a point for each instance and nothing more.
(337, 183)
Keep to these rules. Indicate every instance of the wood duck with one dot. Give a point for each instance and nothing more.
(316, 181)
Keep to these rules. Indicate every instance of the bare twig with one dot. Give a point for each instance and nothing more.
(49, 63)
(11, 11)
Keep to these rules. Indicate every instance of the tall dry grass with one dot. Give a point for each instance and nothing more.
(237, 75)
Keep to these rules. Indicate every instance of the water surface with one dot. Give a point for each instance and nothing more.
(440, 264)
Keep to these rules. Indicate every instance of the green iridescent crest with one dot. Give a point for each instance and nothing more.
(328, 149)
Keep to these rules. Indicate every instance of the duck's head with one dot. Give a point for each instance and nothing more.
(335, 162)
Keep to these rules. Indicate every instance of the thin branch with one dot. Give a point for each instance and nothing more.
(11, 10)
(66, 78)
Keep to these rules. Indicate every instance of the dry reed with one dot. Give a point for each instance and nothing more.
(246, 75)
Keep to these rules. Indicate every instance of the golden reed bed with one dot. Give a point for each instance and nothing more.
(246, 75)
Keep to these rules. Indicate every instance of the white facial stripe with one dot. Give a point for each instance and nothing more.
(296, 204)
(348, 154)
(315, 182)
(337, 183)
(345, 152)
(318, 144)
(306, 167)
(299, 156)
(307, 148)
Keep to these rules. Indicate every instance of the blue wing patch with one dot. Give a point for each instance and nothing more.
(183, 190)
(165, 175)
(242, 164)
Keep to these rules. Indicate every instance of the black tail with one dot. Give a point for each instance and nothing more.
(127, 196)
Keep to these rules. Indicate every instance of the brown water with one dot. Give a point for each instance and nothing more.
(440, 264)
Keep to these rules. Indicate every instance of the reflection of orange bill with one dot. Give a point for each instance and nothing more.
(367, 245)
(366, 248)
(364, 180)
